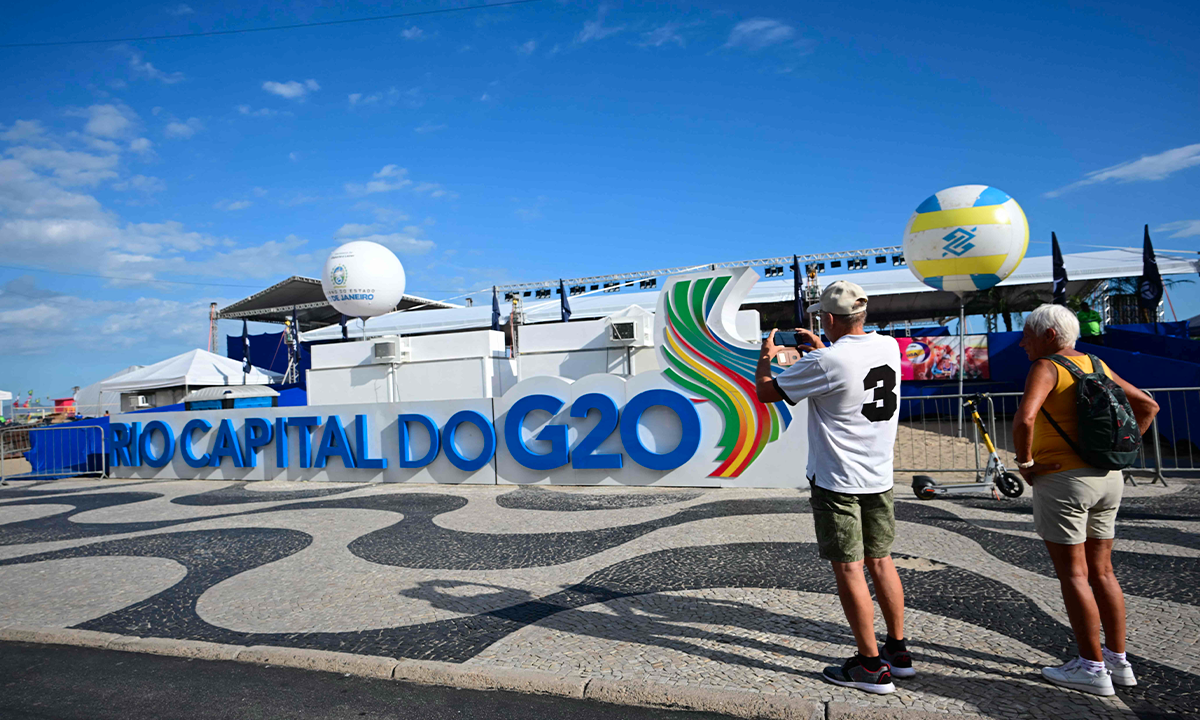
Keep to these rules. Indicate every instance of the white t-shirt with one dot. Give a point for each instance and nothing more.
(853, 393)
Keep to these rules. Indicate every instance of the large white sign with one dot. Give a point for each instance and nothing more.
(698, 422)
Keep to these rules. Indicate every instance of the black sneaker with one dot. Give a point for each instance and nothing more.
(900, 662)
(854, 675)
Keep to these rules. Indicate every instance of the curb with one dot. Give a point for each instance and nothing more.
(734, 702)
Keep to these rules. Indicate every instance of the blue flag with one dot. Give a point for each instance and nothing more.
(566, 306)
(495, 309)
(245, 348)
(1150, 285)
(1060, 273)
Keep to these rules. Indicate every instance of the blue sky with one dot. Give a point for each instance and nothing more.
(549, 139)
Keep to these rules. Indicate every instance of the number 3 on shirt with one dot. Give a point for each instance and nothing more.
(882, 381)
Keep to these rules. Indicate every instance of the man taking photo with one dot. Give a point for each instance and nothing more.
(853, 389)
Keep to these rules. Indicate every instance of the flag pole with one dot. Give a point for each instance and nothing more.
(962, 347)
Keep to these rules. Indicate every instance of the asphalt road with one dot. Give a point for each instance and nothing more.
(54, 682)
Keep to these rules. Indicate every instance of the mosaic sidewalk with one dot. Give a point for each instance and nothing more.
(717, 590)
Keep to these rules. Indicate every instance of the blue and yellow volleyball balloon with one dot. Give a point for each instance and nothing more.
(966, 238)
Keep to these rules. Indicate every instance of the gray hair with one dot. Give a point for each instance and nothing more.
(1058, 317)
(850, 321)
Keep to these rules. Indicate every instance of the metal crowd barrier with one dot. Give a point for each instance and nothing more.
(931, 440)
(55, 451)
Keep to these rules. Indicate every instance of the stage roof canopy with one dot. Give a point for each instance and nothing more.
(895, 295)
(275, 304)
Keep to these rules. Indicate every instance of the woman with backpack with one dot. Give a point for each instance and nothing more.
(1077, 426)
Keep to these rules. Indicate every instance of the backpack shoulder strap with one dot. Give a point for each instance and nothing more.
(1061, 433)
(1076, 373)
(1098, 367)
(1066, 364)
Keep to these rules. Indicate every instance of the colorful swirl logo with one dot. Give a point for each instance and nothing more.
(698, 359)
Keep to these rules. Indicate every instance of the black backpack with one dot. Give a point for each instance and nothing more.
(1109, 438)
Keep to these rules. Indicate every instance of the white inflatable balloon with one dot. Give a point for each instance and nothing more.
(363, 279)
(966, 238)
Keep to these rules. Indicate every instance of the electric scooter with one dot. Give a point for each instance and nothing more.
(994, 474)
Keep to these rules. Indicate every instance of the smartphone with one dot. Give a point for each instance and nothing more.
(784, 338)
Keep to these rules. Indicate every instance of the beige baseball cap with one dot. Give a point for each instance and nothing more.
(841, 298)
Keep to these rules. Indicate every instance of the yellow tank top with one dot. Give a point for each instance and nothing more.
(1048, 446)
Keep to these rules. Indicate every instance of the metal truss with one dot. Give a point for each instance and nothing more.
(282, 309)
(623, 278)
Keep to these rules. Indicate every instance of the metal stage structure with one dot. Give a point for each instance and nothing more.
(303, 298)
(772, 266)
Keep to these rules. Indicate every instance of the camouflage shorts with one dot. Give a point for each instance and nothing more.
(850, 527)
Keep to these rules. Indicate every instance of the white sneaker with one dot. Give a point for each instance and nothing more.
(1121, 672)
(1074, 676)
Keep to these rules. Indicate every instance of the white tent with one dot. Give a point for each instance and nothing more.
(904, 293)
(195, 368)
(91, 401)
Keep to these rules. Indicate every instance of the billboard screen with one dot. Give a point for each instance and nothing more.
(936, 358)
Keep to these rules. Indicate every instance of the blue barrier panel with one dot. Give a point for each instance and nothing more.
(59, 452)
(1167, 346)
(1170, 329)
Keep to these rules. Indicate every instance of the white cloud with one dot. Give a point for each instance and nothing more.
(183, 130)
(385, 215)
(485, 97)
(394, 177)
(274, 257)
(294, 156)
(353, 230)
(402, 243)
(527, 47)
(143, 67)
(259, 191)
(69, 167)
(35, 317)
(595, 29)
(411, 97)
(109, 121)
(408, 240)
(230, 206)
(1148, 167)
(95, 143)
(181, 9)
(26, 194)
(44, 224)
(141, 145)
(412, 33)
(154, 321)
(1181, 229)
(434, 189)
(758, 33)
(292, 89)
(389, 178)
(428, 127)
(24, 131)
(251, 112)
(663, 35)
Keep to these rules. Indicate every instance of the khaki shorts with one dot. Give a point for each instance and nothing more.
(850, 527)
(1071, 506)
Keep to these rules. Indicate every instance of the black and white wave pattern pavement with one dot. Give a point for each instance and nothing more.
(712, 588)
